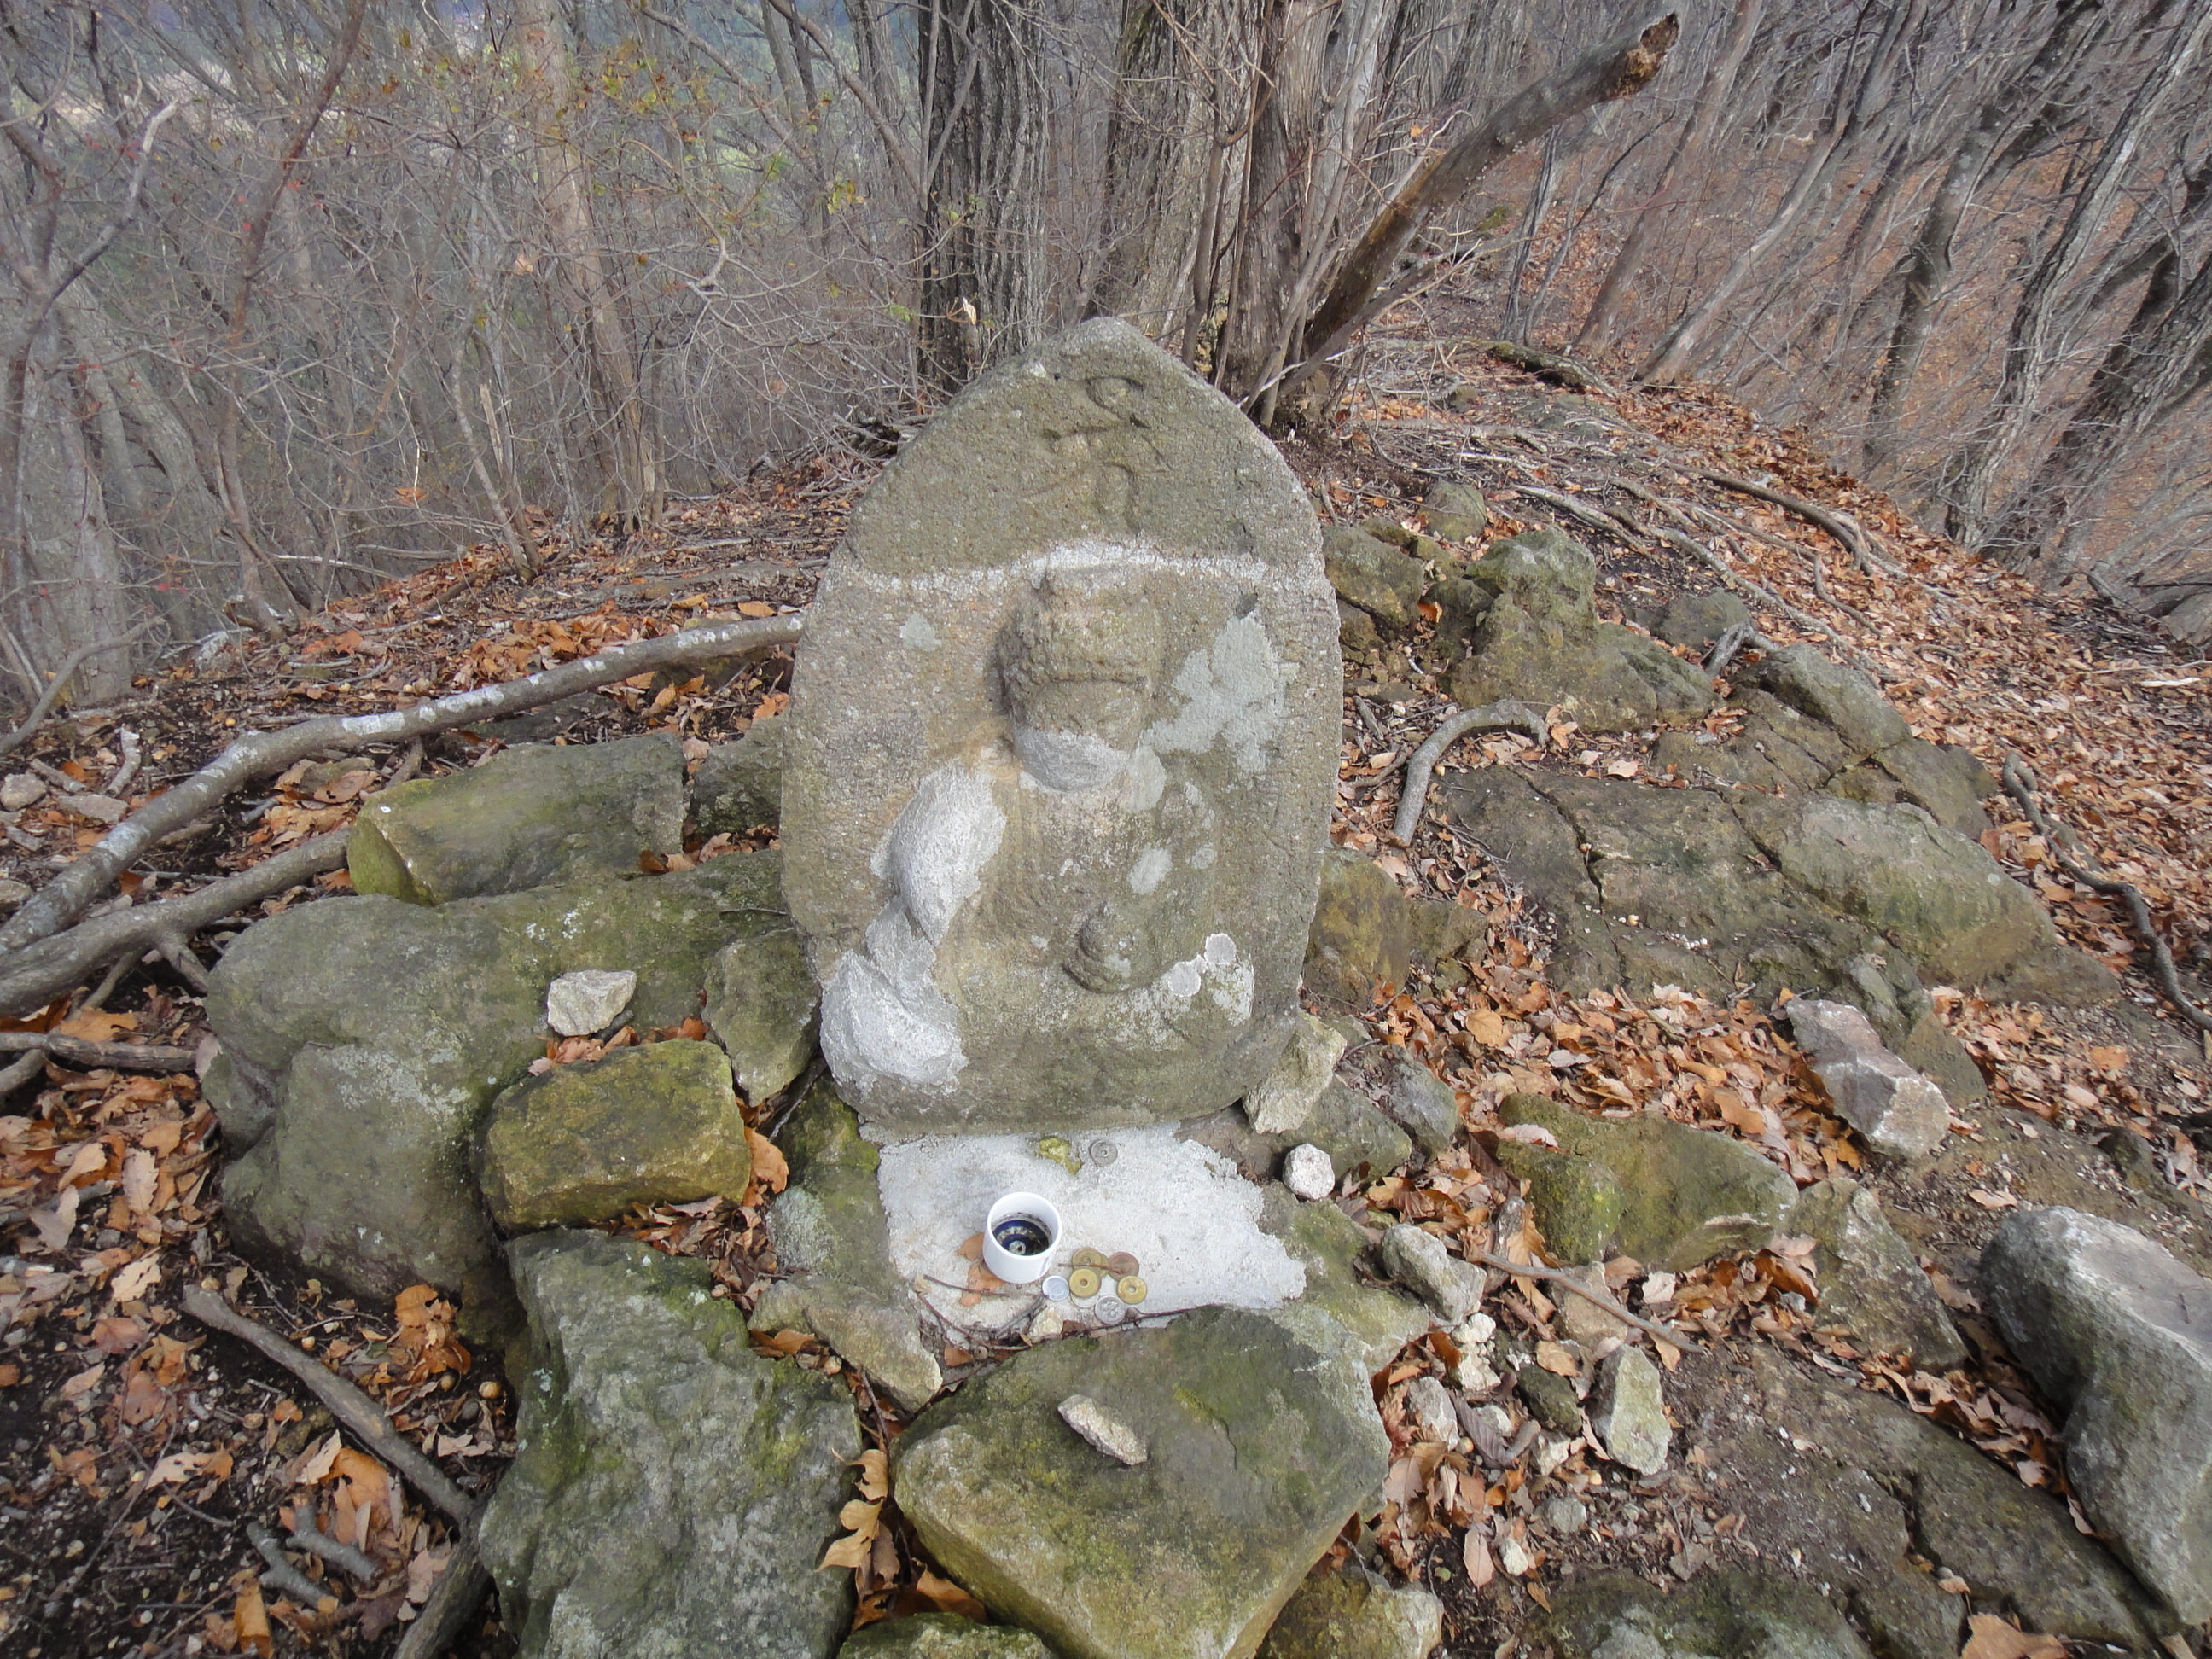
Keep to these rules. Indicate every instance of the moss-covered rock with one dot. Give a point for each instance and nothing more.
(1577, 1201)
(1870, 1283)
(1731, 1614)
(1361, 932)
(739, 786)
(1375, 1322)
(1256, 1463)
(1551, 1399)
(761, 1003)
(373, 1036)
(1541, 642)
(654, 1125)
(1687, 1195)
(940, 1635)
(830, 1235)
(1346, 1615)
(673, 1491)
(1456, 512)
(1371, 573)
(522, 819)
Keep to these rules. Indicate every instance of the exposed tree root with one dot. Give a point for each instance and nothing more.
(2020, 784)
(1489, 717)
(77, 889)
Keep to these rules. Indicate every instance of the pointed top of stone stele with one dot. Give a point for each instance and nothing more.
(1063, 736)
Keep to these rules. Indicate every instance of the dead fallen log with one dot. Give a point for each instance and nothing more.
(35, 975)
(64, 899)
(77, 1051)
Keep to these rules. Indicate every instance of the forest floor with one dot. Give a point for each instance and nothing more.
(136, 1448)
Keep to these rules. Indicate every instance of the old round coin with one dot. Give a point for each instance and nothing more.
(1102, 1152)
(1087, 1257)
(1132, 1289)
(1121, 1264)
(1055, 1287)
(1083, 1284)
(1107, 1311)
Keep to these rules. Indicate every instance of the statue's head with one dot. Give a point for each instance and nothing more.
(1077, 661)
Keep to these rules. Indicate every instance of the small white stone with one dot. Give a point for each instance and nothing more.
(1514, 1557)
(1051, 1321)
(20, 789)
(1102, 1429)
(1282, 1103)
(1551, 1451)
(1429, 1413)
(589, 1000)
(1307, 1172)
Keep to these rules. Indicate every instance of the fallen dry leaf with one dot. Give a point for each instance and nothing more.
(1995, 1638)
(950, 1597)
(1992, 1201)
(769, 1169)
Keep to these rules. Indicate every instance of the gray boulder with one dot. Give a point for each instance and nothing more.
(365, 1039)
(1061, 747)
(1347, 1615)
(1541, 642)
(1870, 1282)
(1343, 1123)
(522, 819)
(1422, 1102)
(739, 786)
(1686, 1195)
(1256, 1459)
(1721, 1615)
(1361, 934)
(1369, 573)
(2119, 1332)
(582, 1143)
(1342, 1313)
(940, 1635)
(1896, 1109)
(1698, 620)
(829, 1237)
(673, 1491)
(1417, 1259)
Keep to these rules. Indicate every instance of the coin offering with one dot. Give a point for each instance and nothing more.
(1087, 1257)
(1055, 1287)
(1083, 1284)
(1121, 1264)
(1108, 1310)
(1132, 1289)
(1102, 1152)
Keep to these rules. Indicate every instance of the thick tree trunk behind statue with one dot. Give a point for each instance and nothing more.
(983, 147)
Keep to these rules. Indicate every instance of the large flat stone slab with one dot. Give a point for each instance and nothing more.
(1256, 1458)
(1061, 752)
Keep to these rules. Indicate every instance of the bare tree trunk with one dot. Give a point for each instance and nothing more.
(1927, 266)
(630, 486)
(1681, 349)
(1603, 323)
(2031, 349)
(983, 140)
(1618, 69)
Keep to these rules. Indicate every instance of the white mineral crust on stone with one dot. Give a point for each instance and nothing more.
(1105, 1431)
(589, 1000)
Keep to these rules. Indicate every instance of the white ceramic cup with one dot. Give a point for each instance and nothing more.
(1020, 1269)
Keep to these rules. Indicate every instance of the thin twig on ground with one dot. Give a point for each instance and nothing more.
(1492, 715)
(1566, 1280)
(281, 1575)
(1847, 534)
(76, 659)
(2020, 784)
(76, 888)
(307, 1537)
(358, 1414)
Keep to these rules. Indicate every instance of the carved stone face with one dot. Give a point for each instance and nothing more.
(1077, 664)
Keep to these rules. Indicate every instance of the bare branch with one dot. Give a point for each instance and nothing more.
(74, 890)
